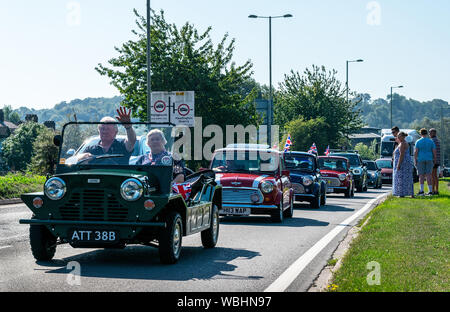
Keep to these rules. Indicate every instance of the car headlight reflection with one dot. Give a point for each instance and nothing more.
(55, 188)
(307, 181)
(131, 189)
(267, 187)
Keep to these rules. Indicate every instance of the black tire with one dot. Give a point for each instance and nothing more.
(211, 235)
(353, 192)
(43, 243)
(323, 199)
(315, 203)
(170, 239)
(278, 215)
(348, 192)
(290, 212)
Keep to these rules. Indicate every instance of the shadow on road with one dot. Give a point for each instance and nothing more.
(142, 263)
(265, 221)
(327, 207)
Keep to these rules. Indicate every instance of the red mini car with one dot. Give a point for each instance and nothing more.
(254, 181)
(386, 169)
(336, 171)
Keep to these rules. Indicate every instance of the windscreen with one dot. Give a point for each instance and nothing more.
(333, 164)
(384, 163)
(245, 161)
(300, 162)
(112, 144)
(371, 165)
(352, 158)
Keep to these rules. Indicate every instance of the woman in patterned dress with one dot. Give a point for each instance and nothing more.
(402, 181)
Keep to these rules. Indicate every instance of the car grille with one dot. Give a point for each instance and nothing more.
(333, 182)
(298, 188)
(240, 195)
(93, 205)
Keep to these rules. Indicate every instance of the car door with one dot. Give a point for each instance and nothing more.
(285, 182)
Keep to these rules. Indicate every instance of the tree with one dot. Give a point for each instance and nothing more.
(45, 153)
(317, 94)
(183, 59)
(366, 152)
(306, 132)
(17, 149)
(10, 115)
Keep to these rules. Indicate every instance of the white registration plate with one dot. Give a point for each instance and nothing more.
(235, 211)
(330, 190)
(93, 236)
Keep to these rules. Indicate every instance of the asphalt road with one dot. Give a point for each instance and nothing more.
(251, 254)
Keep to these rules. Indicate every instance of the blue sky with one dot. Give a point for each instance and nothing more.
(49, 48)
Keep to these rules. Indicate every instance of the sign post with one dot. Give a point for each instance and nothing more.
(176, 107)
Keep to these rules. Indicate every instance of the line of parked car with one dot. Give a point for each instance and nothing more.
(108, 201)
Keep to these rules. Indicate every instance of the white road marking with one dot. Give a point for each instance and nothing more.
(288, 276)
(3, 247)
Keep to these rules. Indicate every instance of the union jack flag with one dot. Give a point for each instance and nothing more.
(313, 149)
(287, 145)
(182, 188)
(327, 151)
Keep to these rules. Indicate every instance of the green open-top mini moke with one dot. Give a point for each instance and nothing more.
(107, 194)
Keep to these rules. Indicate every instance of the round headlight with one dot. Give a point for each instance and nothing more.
(55, 188)
(131, 189)
(267, 187)
(342, 176)
(307, 181)
(356, 171)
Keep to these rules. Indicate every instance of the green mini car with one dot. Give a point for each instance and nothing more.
(109, 198)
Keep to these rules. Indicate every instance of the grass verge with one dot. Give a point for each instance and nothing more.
(13, 185)
(403, 247)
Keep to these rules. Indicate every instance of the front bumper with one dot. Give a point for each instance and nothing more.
(92, 223)
(337, 189)
(246, 209)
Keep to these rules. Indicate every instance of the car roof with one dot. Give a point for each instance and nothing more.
(336, 157)
(243, 149)
(299, 153)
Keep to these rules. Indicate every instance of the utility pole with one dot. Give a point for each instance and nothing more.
(149, 81)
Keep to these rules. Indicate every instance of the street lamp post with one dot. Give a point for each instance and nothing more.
(149, 85)
(346, 80)
(398, 87)
(269, 107)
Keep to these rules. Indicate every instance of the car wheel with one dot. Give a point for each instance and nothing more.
(290, 212)
(170, 239)
(277, 216)
(315, 203)
(323, 199)
(42, 241)
(211, 235)
(348, 192)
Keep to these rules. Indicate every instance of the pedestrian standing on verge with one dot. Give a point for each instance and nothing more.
(402, 177)
(395, 131)
(435, 172)
(425, 157)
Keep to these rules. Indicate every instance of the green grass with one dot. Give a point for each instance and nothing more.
(13, 185)
(409, 238)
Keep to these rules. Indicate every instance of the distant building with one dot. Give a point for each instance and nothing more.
(365, 135)
(6, 127)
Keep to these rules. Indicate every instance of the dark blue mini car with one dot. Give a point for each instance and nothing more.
(306, 178)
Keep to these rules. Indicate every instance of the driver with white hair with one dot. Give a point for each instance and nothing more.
(108, 143)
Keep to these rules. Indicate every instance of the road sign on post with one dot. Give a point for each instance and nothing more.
(176, 107)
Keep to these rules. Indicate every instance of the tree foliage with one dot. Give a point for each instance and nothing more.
(183, 59)
(317, 94)
(366, 152)
(17, 149)
(306, 132)
(11, 115)
(45, 153)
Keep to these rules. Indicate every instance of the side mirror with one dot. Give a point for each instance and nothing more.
(285, 173)
(70, 152)
(57, 140)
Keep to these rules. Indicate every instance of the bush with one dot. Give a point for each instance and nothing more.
(13, 185)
